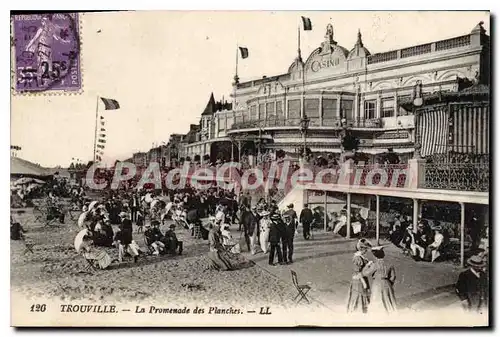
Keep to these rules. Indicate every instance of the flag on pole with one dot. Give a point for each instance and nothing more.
(102, 123)
(244, 52)
(101, 141)
(110, 104)
(102, 135)
(102, 117)
(100, 146)
(103, 130)
(98, 158)
(307, 23)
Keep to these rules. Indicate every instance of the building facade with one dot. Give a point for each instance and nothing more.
(337, 89)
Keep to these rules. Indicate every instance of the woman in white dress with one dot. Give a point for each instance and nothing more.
(265, 225)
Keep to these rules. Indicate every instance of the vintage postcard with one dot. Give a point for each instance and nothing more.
(250, 169)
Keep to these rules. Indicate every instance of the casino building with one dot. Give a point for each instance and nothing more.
(341, 86)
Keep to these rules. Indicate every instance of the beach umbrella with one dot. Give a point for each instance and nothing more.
(93, 204)
(82, 218)
(23, 181)
(79, 239)
(154, 203)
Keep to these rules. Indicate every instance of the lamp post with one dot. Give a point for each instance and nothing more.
(304, 125)
(418, 101)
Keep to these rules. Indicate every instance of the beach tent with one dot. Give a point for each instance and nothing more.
(23, 168)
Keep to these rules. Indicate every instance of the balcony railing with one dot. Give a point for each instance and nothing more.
(295, 122)
(462, 176)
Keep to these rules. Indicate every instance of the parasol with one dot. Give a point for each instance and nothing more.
(154, 203)
(23, 181)
(82, 218)
(79, 242)
(148, 198)
(93, 204)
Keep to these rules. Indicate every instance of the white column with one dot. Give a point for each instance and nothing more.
(339, 113)
(462, 234)
(348, 236)
(415, 215)
(379, 106)
(321, 110)
(377, 218)
(326, 213)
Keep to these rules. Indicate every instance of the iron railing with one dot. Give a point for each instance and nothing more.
(335, 122)
(461, 176)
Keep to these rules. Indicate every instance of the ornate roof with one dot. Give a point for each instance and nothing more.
(210, 108)
(359, 49)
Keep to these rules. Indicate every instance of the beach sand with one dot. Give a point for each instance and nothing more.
(55, 270)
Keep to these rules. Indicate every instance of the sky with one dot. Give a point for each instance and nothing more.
(162, 66)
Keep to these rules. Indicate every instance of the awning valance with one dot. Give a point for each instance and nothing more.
(407, 150)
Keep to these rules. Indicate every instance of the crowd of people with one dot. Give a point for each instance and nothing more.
(111, 220)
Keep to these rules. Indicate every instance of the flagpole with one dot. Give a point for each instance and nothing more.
(298, 33)
(236, 74)
(95, 131)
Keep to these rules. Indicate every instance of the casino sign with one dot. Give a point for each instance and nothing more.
(329, 57)
(317, 65)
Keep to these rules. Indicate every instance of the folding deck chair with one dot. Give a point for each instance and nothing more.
(90, 266)
(28, 246)
(301, 289)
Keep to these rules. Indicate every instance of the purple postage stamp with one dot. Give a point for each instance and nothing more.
(46, 52)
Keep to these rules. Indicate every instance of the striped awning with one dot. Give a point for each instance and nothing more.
(433, 130)
(469, 130)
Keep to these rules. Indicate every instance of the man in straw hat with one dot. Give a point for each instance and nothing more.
(432, 250)
(276, 234)
(472, 285)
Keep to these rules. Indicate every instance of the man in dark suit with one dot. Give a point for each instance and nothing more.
(249, 222)
(276, 232)
(291, 212)
(306, 218)
(133, 203)
(287, 239)
(472, 285)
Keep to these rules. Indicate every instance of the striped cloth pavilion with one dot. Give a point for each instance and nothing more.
(458, 127)
(470, 128)
(433, 130)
